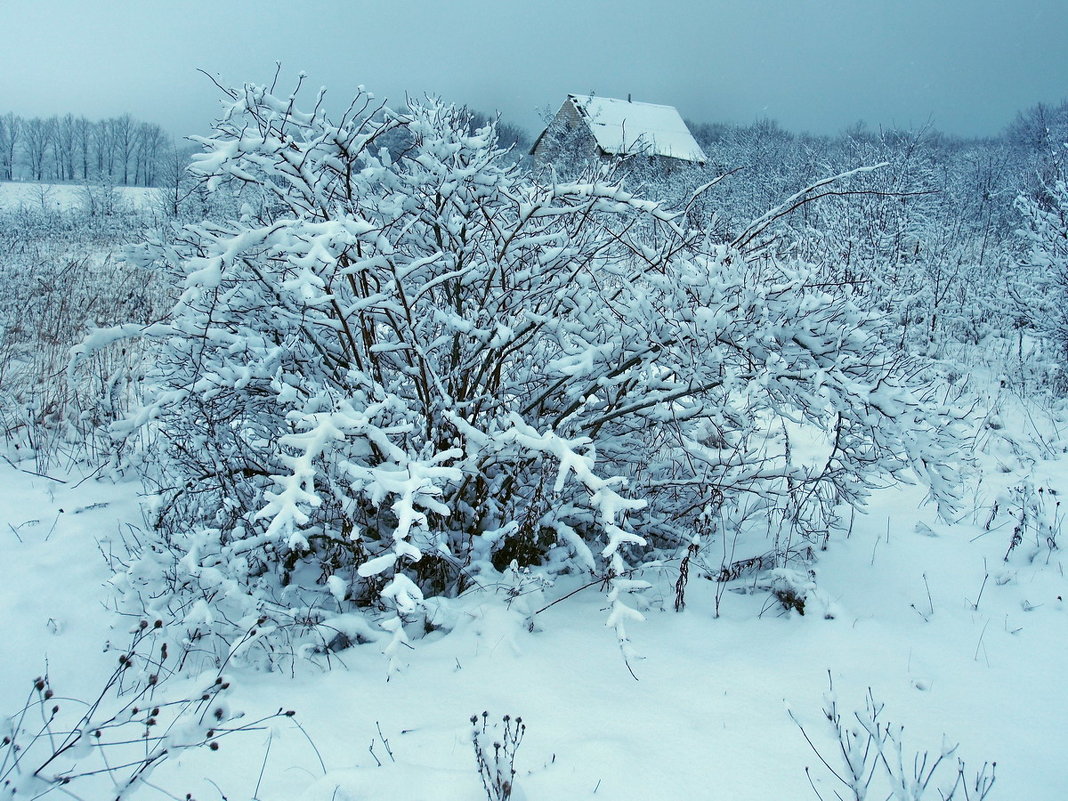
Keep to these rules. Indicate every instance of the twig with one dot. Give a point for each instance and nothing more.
(928, 586)
(32, 472)
(263, 766)
(815, 750)
(979, 644)
(573, 592)
(812, 784)
(89, 476)
(371, 751)
(228, 92)
(385, 742)
(975, 606)
(311, 742)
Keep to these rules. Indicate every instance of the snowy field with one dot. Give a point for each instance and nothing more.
(960, 644)
(238, 448)
(65, 197)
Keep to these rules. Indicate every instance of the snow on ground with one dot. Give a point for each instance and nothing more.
(65, 197)
(927, 616)
(52, 578)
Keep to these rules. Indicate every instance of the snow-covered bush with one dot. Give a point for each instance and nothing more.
(1046, 230)
(391, 375)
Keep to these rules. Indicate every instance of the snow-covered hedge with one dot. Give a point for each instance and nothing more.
(388, 377)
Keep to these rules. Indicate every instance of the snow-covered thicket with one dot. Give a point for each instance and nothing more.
(351, 420)
(61, 278)
(927, 238)
(1046, 232)
(388, 378)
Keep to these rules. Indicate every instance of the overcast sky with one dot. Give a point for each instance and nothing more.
(815, 65)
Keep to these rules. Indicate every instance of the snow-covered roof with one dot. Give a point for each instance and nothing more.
(621, 126)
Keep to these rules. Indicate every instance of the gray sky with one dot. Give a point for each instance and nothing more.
(815, 65)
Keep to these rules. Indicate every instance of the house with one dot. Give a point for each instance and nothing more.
(588, 127)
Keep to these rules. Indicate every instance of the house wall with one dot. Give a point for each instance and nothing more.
(566, 137)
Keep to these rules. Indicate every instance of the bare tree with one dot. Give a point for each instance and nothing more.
(83, 145)
(10, 128)
(38, 145)
(176, 183)
(1035, 140)
(64, 133)
(149, 148)
(124, 141)
(103, 151)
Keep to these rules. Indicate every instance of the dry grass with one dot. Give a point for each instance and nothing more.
(62, 274)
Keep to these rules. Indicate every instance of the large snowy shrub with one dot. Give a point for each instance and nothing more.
(393, 374)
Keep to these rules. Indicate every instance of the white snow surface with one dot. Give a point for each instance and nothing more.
(622, 126)
(67, 197)
(980, 659)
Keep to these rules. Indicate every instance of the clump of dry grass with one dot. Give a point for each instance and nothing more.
(62, 275)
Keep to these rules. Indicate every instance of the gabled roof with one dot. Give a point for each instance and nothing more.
(622, 127)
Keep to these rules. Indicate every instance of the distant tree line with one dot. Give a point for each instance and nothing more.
(119, 150)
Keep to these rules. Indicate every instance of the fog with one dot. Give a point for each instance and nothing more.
(964, 66)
